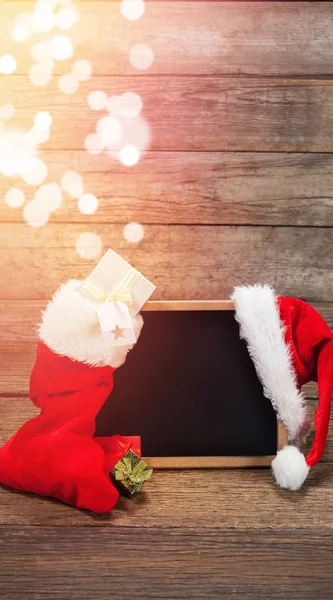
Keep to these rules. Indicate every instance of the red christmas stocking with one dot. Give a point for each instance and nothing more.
(55, 453)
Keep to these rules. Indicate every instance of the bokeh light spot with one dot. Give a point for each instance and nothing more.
(132, 9)
(42, 19)
(49, 195)
(41, 51)
(40, 73)
(34, 171)
(39, 135)
(7, 64)
(82, 69)
(61, 47)
(7, 111)
(89, 245)
(129, 155)
(133, 232)
(68, 84)
(141, 57)
(66, 17)
(43, 119)
(97, 100)
(88, 204)
(93, 144)
(109, 130)
(36, 214)
(14, 198)
(71, 182)
(128, 105)
(20, 32)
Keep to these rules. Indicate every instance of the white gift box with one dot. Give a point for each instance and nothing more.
(120, 292)
(115, 279)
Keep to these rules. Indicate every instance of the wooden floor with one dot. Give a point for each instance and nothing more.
(190, 534)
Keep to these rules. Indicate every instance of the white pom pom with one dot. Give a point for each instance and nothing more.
(290, 468)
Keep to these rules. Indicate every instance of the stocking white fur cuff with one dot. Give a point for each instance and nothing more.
(70, 327)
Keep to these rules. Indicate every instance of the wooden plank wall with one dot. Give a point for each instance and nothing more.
(236, 186)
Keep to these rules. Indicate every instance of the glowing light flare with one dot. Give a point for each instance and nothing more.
(97, 100)
(7, 64)
(43, 119)
(61, 47)
(40, 73)
(110, 131)
(34, 171)
(36, 214)
(132, 9)
(68, 83)
(88, 204)
(82, 69)
(15, 151)
(7, 111)
(42, 19)
(133, 232)
(141, 57)
(93, 144)
(20, 32)
(128, 105)
(47, 4)
(89, 245)
(129, 155)
(41, 51)
(14, 198)
(66, 17)
(71, 182)
(50, 195)
(136, 132)
(39, 135)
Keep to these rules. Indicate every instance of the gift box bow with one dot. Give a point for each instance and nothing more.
(114, 310)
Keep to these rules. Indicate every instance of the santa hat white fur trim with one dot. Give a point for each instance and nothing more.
(290, 468)
(257, 313)
(70, 327)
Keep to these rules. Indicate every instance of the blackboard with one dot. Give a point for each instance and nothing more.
(189, 389)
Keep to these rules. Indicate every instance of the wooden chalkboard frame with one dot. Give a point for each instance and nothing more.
(209, 462)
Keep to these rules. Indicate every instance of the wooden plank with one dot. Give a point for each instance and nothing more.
(202, 563)
(190, 113)
(185, 262)
(204, 187)
(196, 38)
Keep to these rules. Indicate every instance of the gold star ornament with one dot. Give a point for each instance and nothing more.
(117, 332)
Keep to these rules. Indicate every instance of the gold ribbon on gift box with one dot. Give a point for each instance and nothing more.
(121, 292)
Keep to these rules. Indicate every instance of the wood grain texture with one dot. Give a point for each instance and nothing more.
(157, 563)
(189, 113)
(197, 38)
(184, 262)
(194, 188)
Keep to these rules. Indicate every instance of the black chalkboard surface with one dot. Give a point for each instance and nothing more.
(189, 389)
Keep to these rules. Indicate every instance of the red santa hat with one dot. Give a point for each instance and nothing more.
(290, 344)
